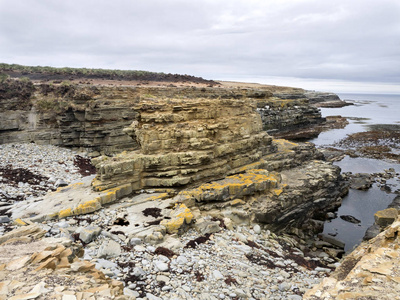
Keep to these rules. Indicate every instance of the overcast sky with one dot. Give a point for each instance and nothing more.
(341, 45)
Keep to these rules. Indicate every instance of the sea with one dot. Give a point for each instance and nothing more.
(369, 112)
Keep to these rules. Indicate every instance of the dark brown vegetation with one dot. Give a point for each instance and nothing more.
(13, 176)
(229, 280)
(345, 268)
(62, 74)
(199, 276)
(155, 212)
(379, 144)
(16, 89)
(164, 251)
(221, 222)
(197, 241)
(266, 257)
(84, 165)
(121, 222)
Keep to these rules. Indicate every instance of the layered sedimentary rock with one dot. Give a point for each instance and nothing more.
(217, 152)
(371, 271)
(186, 141)
(69, 116)
(320, 99)
(92, 118)
(283, 189)
(283, 117)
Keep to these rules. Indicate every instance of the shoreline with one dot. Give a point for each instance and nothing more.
(111, 241)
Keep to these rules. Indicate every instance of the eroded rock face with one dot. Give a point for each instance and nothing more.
(371, 271)
(284, 117)
(92, 118)
(42, 269)
(320, 99)
(183, 142)
(75, 116)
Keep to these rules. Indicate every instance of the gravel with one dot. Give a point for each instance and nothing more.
(30, 170)
(243, 263)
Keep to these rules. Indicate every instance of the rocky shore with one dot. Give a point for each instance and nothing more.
(218, 261)
(91, 117)
(202, 203)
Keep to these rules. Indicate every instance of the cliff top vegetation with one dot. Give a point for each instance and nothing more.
(50, 73)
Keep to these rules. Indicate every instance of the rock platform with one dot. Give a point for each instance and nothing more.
(198, 206)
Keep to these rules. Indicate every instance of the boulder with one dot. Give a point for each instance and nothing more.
(386, 217)
(350, 219)
(361, 181)
(109, 249)
(89, 233)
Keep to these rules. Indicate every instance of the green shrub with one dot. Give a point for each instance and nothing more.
(3, 77)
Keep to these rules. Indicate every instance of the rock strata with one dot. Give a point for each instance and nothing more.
(92, 118)
(186, 141)
(51, 270)
(190, 211)
(320, 99)
(284, 117)
(371, 271)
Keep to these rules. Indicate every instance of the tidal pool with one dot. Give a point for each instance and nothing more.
(369, 111)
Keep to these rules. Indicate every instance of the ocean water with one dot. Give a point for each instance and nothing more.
(368, 112)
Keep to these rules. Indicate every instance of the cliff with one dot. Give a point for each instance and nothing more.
(92, 117)
(181, 138)
(194, 157)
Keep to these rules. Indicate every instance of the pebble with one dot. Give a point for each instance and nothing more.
(218, 275)
(257, 229)
(135, 241)
(4, 219)
(161, 266)
(181, 260)
(55, 163)
(193, 273)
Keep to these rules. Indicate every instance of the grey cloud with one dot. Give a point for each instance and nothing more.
(348, 40)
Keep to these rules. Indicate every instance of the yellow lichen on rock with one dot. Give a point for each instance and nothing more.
(179, 216)
(159, 197)
(235, 186)
(277, 192)
(64, 213)
(87, 207)
(20, 222)
(183, 141)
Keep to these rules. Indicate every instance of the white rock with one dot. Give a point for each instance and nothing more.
(181, 260)
(40, 288)
(105, 264)
(163, 278)
(69, 297)
(243, 248)
(130, 293)
(139, 272)
(135, 241)
(139, 248)
(186, 288)
(257, 229)
(218, 275)
(89, 233)
(284, 286)
(152, 297)
(241, 237)
(161, 266)
(109, 249)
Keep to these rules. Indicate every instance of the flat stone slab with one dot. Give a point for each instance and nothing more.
(75, 199)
